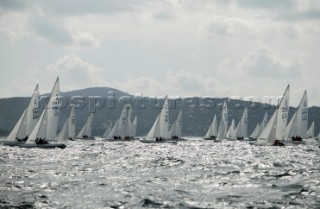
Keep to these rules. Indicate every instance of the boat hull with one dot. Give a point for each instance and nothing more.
(34, 145)
(119, 140)
(151, 141)
(86, 138)
(11, 143)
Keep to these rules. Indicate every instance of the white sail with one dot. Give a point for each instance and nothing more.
(255, 132)
(86, 130)
(311, 131)
(302, 117)
(69, 128)
(28, 119)
(155, 129)
(164, 120)
(275, 129)
(109, 128)
(176, 128)
(39, 130)
(114, 131)
(160, 127)
(125, 125)
(222, 131)
(298, 124)
(283, 114)
(47, 125)
(291, 129)
(213, 128)
(19, 130)
(242, 128)
(123, 122)
(231, 133)
(130, 128)
(268, 134)
(135, 124)
(264, 122)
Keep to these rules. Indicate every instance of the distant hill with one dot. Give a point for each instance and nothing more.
(96, 91)
(197, 113)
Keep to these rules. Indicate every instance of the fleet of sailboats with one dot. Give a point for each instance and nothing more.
(33, 131)
(125, 127)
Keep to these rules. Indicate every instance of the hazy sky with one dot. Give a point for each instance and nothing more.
(175, 47)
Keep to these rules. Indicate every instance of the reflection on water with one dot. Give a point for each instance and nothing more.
(192, 174)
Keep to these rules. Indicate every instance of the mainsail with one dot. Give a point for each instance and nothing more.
(69, 128)
(275, 128)
(213, 128)
(176, 128)
(242, 128)
(28, 119)
(298, 124)
(47, 124)
(86, 130)
(222, 131)
(311, 131)
(160, 127)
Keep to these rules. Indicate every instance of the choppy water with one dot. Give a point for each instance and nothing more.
(192, 174)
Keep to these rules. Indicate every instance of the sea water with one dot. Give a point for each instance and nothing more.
(191, 174)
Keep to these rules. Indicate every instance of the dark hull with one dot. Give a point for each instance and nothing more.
(34, 145)
(211, 139)
(177, 140)
(86, 138)
(147, 141)
(11, 143)
(120, 140)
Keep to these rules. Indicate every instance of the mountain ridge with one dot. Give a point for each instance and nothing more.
(197, 112)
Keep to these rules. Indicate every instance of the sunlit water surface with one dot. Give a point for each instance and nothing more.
(192, 174)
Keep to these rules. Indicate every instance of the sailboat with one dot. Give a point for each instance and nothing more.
(107, 130)
(310, 132)
(23, 128)
(86, 131)
(46, 128)
(242, 128)
(125, 127)
(296, 130)
(275, 128)
(231, 133)
(213, 130)
(255, 132)
(264, 122)
(176, 128)
(68, 131)
(223, 126)
(130, 129)
(259, 128)
(159, 131)
(135, 125)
